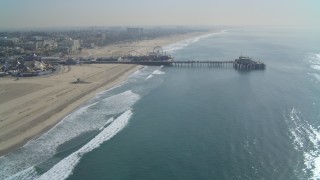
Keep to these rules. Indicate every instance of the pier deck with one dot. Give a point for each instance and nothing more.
(187, 64)
(202, 63)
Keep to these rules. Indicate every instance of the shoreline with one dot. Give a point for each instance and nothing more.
(141, 46)
(33, 106)
(16, 133)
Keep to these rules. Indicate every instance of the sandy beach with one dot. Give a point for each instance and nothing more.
(31, 106)
(136, 47)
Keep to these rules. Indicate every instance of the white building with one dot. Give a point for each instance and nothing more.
(72, 45)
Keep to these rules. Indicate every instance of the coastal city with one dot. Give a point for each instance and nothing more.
(159, 90)
(31, 53)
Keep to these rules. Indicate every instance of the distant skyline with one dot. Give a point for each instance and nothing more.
(70, 13)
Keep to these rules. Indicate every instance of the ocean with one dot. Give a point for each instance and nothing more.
(195, 123)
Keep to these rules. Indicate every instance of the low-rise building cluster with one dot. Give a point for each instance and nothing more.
(35, 51)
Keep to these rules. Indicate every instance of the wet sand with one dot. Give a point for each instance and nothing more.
(30, 106)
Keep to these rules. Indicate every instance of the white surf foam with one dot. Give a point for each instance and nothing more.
(150, 76)
(314, 60)
(29, 173)
(106, 124)
(138, 72)
(182, 44)
(87, 118)
(37, 150)
(120, 103)
(316, 67)
(306, 139)
(158, 72)
(64, 168)
(132, 77)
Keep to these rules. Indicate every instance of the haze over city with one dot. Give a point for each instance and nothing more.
(166, 89)
(75, 13)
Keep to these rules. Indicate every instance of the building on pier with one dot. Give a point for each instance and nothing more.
(244, 62)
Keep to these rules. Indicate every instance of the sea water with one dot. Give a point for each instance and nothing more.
(194, 123)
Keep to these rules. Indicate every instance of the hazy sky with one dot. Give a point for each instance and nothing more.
(61, 13)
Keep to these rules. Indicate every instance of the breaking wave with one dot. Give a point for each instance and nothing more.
(139, 72)
(64, 168)
(150, 76)
(45, 147)
(306, 139)
(314, 61)
(156, 72)
(119, 103)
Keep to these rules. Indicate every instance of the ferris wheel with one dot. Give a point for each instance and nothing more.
(158, 50)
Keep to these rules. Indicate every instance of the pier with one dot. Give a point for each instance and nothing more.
(171, 63)
(158, 58)
(202, 63)
(241, 65)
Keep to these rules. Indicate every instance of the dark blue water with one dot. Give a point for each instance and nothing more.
(201, 123)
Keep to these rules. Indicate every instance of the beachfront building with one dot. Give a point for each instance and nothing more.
(71, 45)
